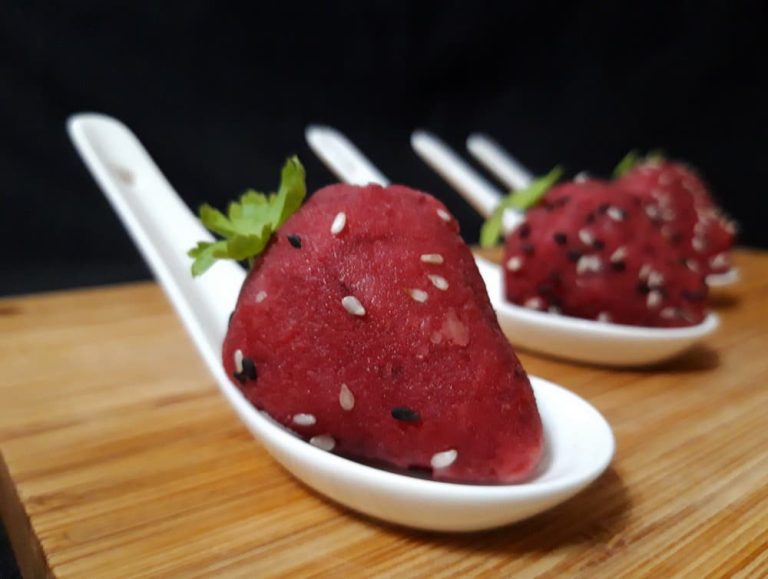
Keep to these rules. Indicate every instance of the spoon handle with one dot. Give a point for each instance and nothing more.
(342, 157)
(483, 196)
(162, 227)
(499, 161)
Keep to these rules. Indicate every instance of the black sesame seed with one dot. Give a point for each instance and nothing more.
(604, 208)
(676, 237)
(694, 296)
(560, 238)
(574, 255)
(598, 244)
(642, 288)
(525, 230)
(618, 266)
(405, 414)
(545, 288)
(294, 240)
(249, 369)
(590, 218)
(554, 277)
(527, 248)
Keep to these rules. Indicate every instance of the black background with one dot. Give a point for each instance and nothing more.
(220, 96)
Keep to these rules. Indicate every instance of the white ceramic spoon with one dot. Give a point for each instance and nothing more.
(514, 175)
(579, 441)
(560, 336)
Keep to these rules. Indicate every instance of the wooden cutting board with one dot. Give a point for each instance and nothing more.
(120, 459)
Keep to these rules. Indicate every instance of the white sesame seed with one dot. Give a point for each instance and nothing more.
(686, 315)
(615, 213)
(418, 295)
(323, 442)
(304, 419)
(586, 237)
(339, 222)
(720, 260)
(443, 214)
(439, 282)
(346, 398)
(618, 255)
(514, 263)
(239, 361)
(645, 271)
(655, 279)
(668, 215)
(444, 459)
(652, 211)
(554, 310)
(654, 299)
(588, 263)
(698, 244)
(581, 177)
(668, 313)
(692, 264)
(432, 258)
(261, 296)
(534, 303)
(604, 317)
(353, 305)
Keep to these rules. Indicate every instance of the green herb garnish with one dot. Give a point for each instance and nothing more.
(633, 159)
(249, 223)
(520, 200)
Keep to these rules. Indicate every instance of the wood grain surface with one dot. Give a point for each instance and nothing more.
(120, 459)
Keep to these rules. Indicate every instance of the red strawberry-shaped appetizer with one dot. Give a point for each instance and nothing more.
(590, 250)
(365, 327)
(679, 202)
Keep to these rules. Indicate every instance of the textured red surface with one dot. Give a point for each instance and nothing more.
(445, 358)
(690, 218)
(592, 220)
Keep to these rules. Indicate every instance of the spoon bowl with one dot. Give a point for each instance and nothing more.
(587, 341)
(579, 442)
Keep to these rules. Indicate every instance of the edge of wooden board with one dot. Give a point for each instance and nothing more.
(26, 547)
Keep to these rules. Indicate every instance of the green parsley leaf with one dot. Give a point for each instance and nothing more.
(519, 200)
(633, 159)
(205, 254)
(627, 163)
(250, 222)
